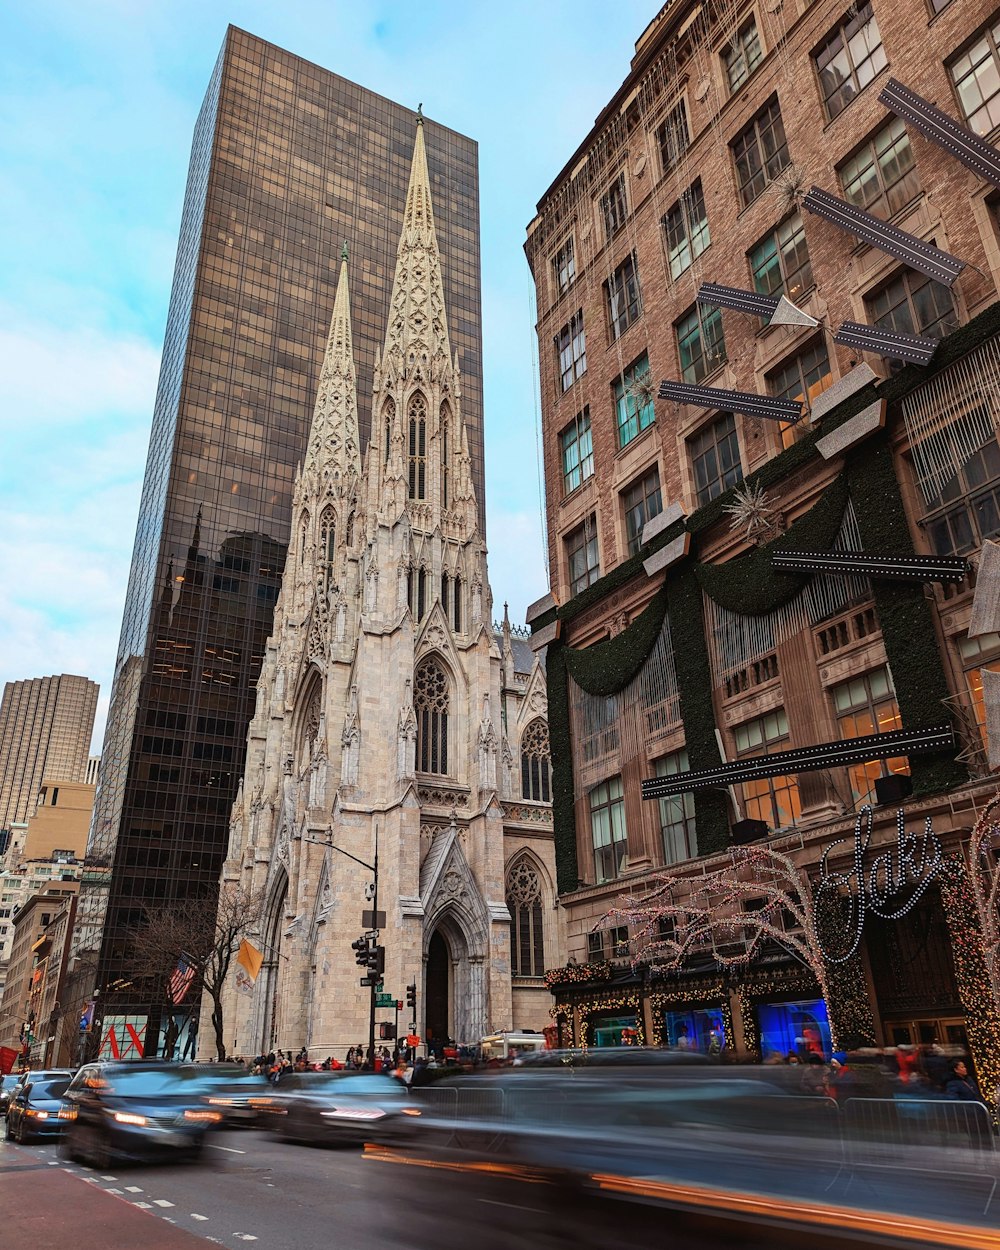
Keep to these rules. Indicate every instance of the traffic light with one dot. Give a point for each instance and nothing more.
(376, 962)
(361, 948)
(411, 995)
(386, 1031)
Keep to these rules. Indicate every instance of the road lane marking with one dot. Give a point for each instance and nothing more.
(113, 1191)
(196, 1216)
(134, 1189)
(514, 1206)
(109, 1178)
(231, 1149)
(245, 1236)
(145, 1206)
(162, 1202)
(53, 1163)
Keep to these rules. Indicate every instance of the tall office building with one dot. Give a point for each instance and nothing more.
(288, 161)
(45, 729)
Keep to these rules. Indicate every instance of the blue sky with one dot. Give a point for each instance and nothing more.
(97, 107)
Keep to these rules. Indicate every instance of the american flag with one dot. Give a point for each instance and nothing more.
(180, 982)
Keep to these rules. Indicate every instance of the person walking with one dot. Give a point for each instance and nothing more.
(960, 1086)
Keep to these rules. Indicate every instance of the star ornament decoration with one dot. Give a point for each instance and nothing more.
(752, 514)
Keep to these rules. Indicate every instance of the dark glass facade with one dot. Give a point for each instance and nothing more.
(288, 161)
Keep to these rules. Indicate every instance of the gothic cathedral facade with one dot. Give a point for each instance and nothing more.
(393, 718)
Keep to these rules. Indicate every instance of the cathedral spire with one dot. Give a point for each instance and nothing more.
(417, 335)
(333, 456)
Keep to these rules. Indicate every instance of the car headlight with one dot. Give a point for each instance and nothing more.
(36, 1115)
(203, 1117)
(222, 1102)
(128, 1117)
(352, 1113)
(410, 1111)
(67, 1113)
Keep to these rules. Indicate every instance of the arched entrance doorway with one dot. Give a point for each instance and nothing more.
(438, 992)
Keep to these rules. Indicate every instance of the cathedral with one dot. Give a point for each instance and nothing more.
(397, 727)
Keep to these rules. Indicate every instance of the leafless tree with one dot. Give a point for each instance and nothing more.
(205, 933)
(760, 896)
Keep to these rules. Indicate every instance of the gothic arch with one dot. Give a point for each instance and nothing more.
(266, 1024)
(416, 445)
(303, 534)
(525, 893)
(388, 417)
(434, 704)
(308, 714)
(328, 533)
(536, 762)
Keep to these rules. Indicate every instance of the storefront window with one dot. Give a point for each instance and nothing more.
(614, 1031)
(801, 1028)
(700, 1029)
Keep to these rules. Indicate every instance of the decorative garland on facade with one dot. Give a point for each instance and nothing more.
(579, 974)
(904, 614)
(609, 666)
(748, 584)
(903, 611)
(982, 1018)
(621, 1000)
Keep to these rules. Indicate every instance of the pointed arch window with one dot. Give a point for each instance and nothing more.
(389, 411)
(457, 604)
(536, 777)
(418, 448)
(524, 902)
(431, 699)
(328, 533)
(445, 419)
(303, 536)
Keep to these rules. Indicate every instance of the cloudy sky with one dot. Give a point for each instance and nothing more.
(97, 107)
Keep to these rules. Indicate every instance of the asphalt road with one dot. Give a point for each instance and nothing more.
(250, 1188)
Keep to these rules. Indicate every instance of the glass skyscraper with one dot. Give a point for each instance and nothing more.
(289, 160)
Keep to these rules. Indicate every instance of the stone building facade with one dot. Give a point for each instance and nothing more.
(673, 646)
(394, 719)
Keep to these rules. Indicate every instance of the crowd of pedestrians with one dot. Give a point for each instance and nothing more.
(903, 1071)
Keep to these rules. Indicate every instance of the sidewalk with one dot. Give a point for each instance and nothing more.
(45, 1208)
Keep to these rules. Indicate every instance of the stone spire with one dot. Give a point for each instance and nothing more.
(333, 456)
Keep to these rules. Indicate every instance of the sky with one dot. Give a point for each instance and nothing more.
(97, 109)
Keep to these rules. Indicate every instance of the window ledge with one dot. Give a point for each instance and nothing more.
(577, 492)
(634, 442)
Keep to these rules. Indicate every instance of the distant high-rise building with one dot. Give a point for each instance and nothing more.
(45, 729)
(288, 161)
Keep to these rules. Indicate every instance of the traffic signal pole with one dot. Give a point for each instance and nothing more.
(371, 990)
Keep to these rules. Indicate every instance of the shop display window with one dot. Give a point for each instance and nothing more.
(614, 1031)
(700, 1029)
(802, 1028)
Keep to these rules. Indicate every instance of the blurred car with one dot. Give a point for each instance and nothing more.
(344, 1107)
(44, 1074)
(229, 1089)
(144, 1110)
(611, 1057)
(33, 1111)
(7, 1086)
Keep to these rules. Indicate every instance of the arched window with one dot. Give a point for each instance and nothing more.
(445, 417)
(457, 603)
(535, 766)
(328, 532)
(418, 448)
(389, 412)
(430, 701)
(524, 902)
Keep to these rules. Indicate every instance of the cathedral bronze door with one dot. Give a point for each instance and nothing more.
(438, 992)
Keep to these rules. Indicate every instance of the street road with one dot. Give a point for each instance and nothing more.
(251, 1188)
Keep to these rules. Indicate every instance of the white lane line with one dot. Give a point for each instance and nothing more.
(53, 1163)
(145, 1206)
(113, 1191)
(229, 1149)
(162, 1202)
(109, 1178)
(196, 1216)
(134, 1189)
(245, 1236)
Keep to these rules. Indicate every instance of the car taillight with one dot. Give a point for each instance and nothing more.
(128, 1117)
(203, 1117)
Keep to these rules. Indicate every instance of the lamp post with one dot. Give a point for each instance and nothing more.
(373, 896)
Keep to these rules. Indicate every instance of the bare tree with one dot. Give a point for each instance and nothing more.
(205, 934)
(761, 896)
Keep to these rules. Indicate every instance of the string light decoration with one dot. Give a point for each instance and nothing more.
(888, 887)
(761, 896)
(578, 974)
(984, 882)
(629, 1001)
(696, 993)
(753, 515)
(972, 974)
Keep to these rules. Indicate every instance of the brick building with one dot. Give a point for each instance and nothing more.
(675, 647)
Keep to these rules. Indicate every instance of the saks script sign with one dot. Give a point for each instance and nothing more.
(886, 885)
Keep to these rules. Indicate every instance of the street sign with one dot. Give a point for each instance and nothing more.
(399, 1004)
(373, 920)
(384, 1000)
(380, 988)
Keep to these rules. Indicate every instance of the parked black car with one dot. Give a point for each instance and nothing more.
(33, 1111)
(145, 1111)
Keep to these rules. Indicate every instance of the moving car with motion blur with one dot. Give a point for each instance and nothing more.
(340, 1107)
(144, 1111)
(33, 1111)
(230, 1089)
